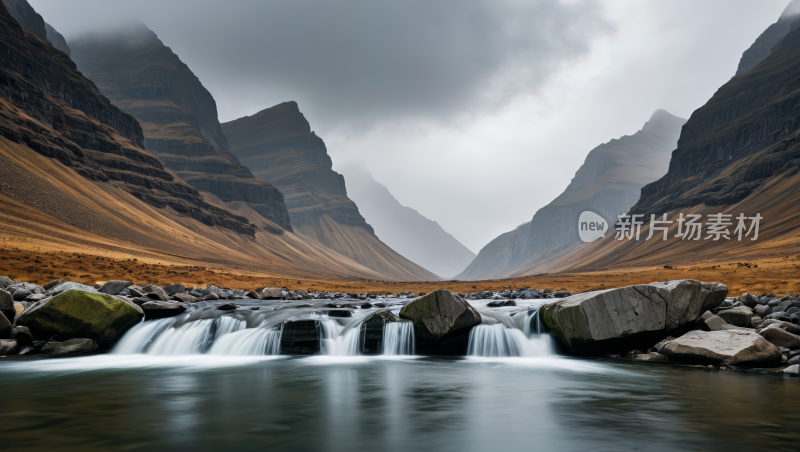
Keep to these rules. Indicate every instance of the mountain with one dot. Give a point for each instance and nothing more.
(404, 229)
(56, 39)
(277, 144)
(75, 177)
(27, 17)
(769, 38)
(737, 154)
(144, 78)
(607, 183)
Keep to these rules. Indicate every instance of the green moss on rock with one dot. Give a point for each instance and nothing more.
(75, 313)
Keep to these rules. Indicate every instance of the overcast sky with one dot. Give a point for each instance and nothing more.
(475, 113)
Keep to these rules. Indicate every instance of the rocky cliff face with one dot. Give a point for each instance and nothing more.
(404, 229)
(48, 106)
(607, 183)
(143, 77)
(27, 17)
(769, 38)
(277, 144)
(56, 39)
(745, 134)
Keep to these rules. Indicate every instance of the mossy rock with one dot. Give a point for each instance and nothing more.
(78, 314)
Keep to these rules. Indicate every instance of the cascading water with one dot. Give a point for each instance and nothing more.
(526, 339)
(338, 341)
(398, 338)
(228, 324)
(139, 338)
(249, 342)
(190, 338)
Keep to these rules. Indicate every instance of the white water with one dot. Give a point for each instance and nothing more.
(336, 341)
(228, 324)
(190, 338)
(500, 341)
(398, 338)
(249, 342)
(139, 338)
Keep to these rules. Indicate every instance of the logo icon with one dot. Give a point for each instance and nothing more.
(591, 226)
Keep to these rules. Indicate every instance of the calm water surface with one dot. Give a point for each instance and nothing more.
(139, 402)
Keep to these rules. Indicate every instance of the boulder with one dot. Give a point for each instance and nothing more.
(763, 310)
(340, 313)
(501, 303)
(52, 284)
(155, 293)
(8, 347)
(68, 285)
(22, 334)
(21, 294)
(739, 316)
(302, 293)
(161, 309)
(749, 300)
(114, 287)
(72, 347)
(19, 308)
(175, 289)
(652, 357)
(733, 347)
(5, 281)
(226, 307)
(7, 305)
(714, 323)
(211, 297)
(76, 313)
(184, 297)
(583, 320)
(780, 337)
(792, 370)
(5, 327)
(440, 317)
(254, 295)
(271, 293)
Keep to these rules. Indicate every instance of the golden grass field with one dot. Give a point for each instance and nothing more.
(779, 275)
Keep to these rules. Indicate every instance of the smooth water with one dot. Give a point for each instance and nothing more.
(328, 403)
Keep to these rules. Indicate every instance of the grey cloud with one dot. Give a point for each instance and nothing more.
(360, 61)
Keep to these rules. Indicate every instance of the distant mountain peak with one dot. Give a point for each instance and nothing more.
(769, 38)
(792, 9)
(662, 121)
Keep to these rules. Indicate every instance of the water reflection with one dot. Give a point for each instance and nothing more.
(329, 403)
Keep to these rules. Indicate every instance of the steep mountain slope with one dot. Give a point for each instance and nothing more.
(56, 39)
(771, 36)
(50, 107)
(607, 183)
(140, 75)
(277, 144)
(74, 176)
(738, 154)
(28, 18)
(404, 229)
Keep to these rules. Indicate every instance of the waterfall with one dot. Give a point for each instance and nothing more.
(337, 340)
(139, 338)
(190, 338)
(528, 339)
(252, 341)
(228, 324)
(398, 338)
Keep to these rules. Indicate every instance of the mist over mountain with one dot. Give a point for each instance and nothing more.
(608, 183)
(143, 77)
(277, 144)
(419, 239)
(769, 38)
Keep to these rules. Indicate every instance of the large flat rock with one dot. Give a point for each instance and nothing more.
(592, 317)
(439, 316)
(734, 347)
